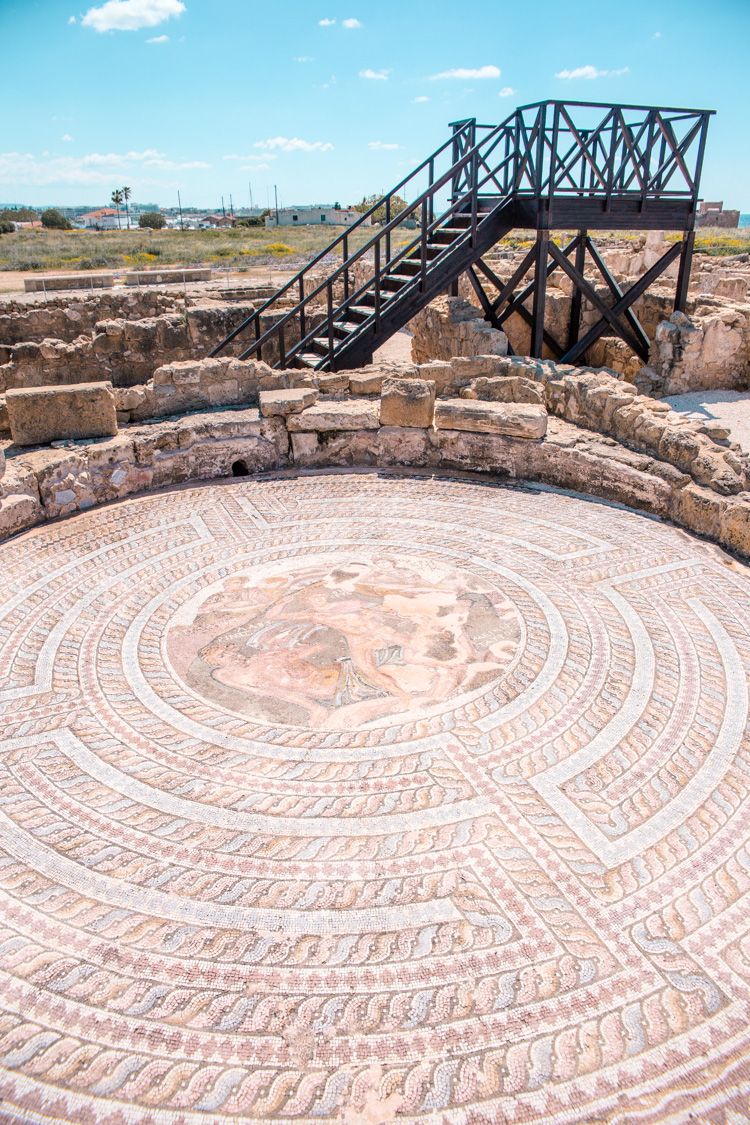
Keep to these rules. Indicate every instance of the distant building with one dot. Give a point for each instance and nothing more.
(35, 224)
(313, 216)
(106, 218)
(714, 215)
(214, 221)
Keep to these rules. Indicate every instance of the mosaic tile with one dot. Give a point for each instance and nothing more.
(370, 798)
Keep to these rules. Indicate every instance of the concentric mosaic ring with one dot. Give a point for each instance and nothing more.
(371, 798)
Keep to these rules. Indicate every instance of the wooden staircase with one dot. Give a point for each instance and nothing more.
(552, 165)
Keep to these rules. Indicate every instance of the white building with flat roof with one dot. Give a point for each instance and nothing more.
(313, 216)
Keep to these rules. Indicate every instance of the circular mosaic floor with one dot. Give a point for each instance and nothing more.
(368, 799)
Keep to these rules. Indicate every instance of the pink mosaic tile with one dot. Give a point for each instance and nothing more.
(372, 798)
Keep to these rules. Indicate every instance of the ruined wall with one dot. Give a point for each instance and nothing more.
(127, 352)
(66, 318)
(449, 326)
(601, 438)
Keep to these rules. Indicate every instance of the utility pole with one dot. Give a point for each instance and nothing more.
(231, 205)
(179, 204)
(276, 197)
(249, 188)
(222, 207)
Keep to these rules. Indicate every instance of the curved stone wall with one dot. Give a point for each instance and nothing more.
(599, 438)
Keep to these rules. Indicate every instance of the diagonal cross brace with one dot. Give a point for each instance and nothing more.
(610, 316)
(616, 292)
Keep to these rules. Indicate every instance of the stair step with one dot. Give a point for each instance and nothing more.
(308, 359)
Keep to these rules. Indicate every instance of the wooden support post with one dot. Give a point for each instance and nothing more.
(302, 318)
(329, 294)
(575, 305)
(540, 294)
(683, 277)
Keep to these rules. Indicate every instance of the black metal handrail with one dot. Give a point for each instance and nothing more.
(541, 151)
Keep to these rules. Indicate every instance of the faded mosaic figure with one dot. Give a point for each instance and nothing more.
(334, 647)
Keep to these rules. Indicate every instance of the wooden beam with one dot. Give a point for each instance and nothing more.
(683, 277)
(574, 327)
(627, 300)
(543, 249)
(614, 288)
(489, 312)
(603, 309)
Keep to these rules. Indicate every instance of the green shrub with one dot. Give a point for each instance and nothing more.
(54, 220)
(397, 206)
(6, 227)
(152, 220)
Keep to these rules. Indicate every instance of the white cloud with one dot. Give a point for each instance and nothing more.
(72, 19)
(326, 23)
(66, 137)
(421, 98)
(294, 144)
(130, 15)
(304, 58)
(351, 23)
(170, 165)
(656, 35)
(96, 168)
(116, 159)
(468, 74)
(506, 92)
(590, 72)
(159, 39)
(250, 156)
(379, 144)
(254, 167)
(376, 75)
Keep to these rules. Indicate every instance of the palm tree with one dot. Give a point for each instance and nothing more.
(126, 196)
(117, 200)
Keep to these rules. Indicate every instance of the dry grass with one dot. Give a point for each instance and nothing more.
(243, 247)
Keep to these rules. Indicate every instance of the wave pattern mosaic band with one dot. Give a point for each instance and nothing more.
(371, 798)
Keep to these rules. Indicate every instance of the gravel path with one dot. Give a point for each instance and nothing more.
(730, 407)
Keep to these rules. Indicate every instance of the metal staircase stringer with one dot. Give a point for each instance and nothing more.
(357, 351)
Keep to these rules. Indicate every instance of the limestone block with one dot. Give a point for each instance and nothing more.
(17, 512)
(407, 402)
(74, 281)
(523, 420)
(699, 509)
(329, 384)
(352, 415)
(470, 367)
(165, 277)
(2, 464)
(286, 402)
(735, 523)
(401, 445)
(360, 447)
(364, 383)
(439, 371)
(509, 388)
(41, 415)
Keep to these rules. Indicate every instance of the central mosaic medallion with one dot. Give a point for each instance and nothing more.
(344, 645)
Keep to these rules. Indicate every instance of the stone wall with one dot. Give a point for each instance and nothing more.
(490, 415)
(706, 350)
(127, 352)
(448, 327)
(66, 318)
(710, 349)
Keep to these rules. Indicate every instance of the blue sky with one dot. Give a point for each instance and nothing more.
(332, 99)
